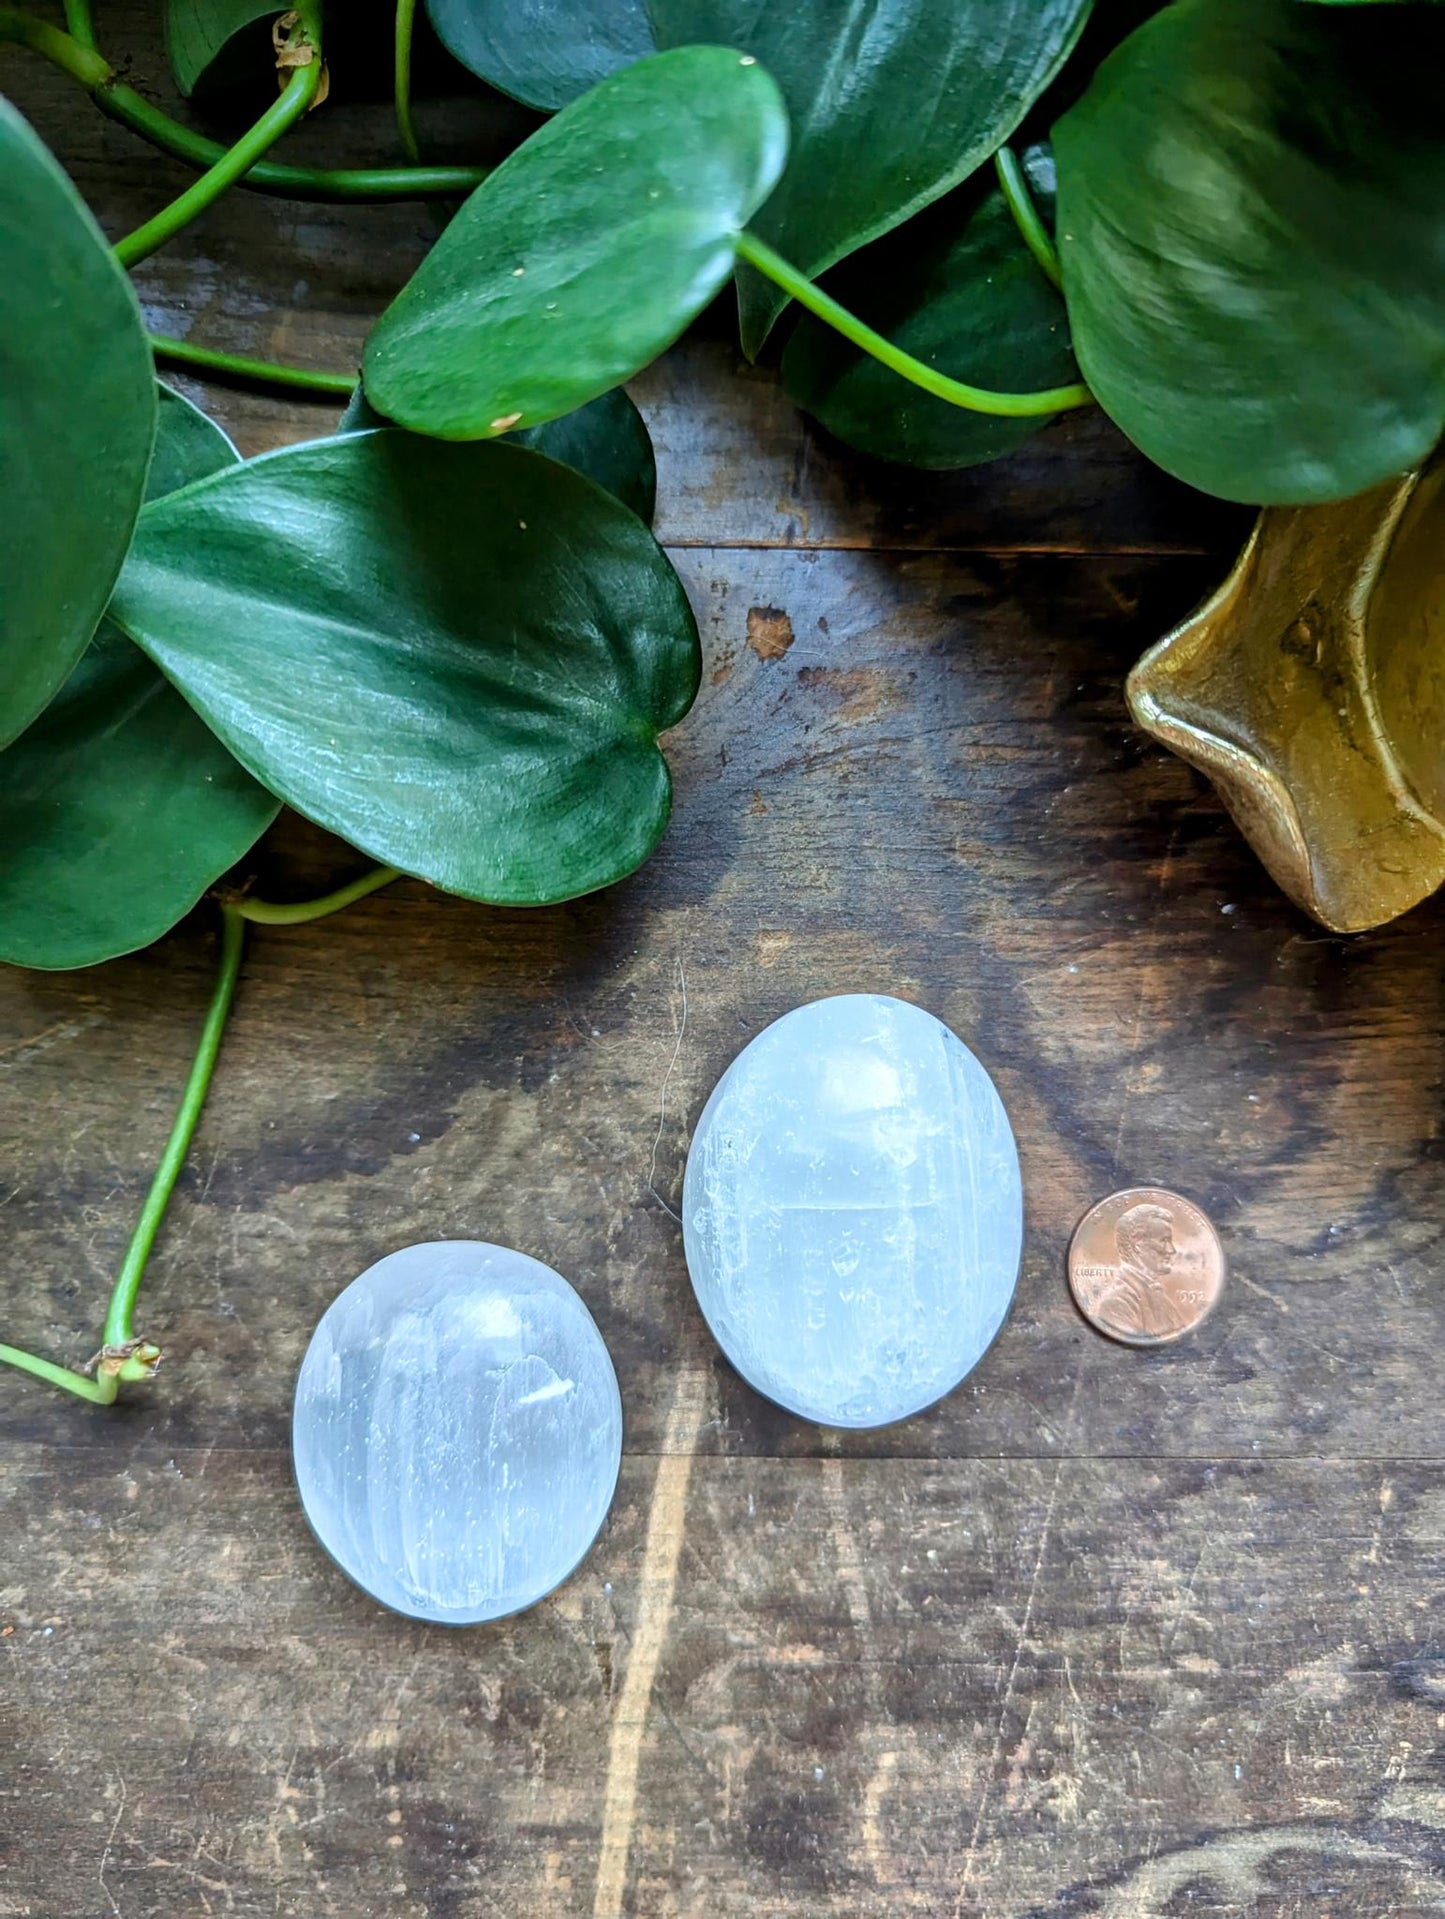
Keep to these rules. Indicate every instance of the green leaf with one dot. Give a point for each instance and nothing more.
(892, 102)
(458, 658)
(119, 807)
(199, 33)
(77, 418)
(543, 52)
(587, 251)
(1252, 231)
(607, 440)
(957, 288)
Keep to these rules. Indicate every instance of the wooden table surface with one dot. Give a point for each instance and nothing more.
(1108, 1632)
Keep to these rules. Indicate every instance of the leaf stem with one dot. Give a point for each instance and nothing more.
(236, 366)
(81, 61)
(122, 1355)
(405, 22)
(100, 1391)
(118, 1331)
(1036, 236)
(1015, 406)
(293, 103)
(71, 55)
(78, 20)
(300, 912)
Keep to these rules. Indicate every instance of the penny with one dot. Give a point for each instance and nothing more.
(1145, 1266)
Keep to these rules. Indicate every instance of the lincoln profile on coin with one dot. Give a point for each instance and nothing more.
(1135, 1299)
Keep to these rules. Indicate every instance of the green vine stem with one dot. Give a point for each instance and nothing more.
(100, 1391)
(122, 1355)
(301, 912)
(265, 372)
(118, 1328)
(974, 398)
(294, 103)
(78, 20)
(1036, 236)
(361, 184)
(405, 22)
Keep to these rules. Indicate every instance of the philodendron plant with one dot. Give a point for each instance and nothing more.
(445, 631)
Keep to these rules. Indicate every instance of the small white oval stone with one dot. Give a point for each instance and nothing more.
(457, 1431)
(853, 1211)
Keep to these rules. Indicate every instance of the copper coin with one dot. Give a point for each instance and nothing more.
(1145, 1266)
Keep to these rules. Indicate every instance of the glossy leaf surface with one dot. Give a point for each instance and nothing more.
(1252, 231)
(958, 288)
(586, 253)
(458, 658)
(77, 418)
(543, 52)
(119, 807)
(198, 33)
(607, 440)
(892, 102)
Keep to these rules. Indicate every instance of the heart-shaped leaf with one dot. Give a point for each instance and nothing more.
(77, 418)
(1252, 231)
(957, 288)
(891, 105)
(198, 33)
(587, 251)
(458, 658)
(543, 52)
(607, 440)
(119, 807)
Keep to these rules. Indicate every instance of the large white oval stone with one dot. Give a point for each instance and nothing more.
(853, 1212)
(457, 1431)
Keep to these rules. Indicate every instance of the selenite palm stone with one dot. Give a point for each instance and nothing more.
(853, 1212)
(457, 1431)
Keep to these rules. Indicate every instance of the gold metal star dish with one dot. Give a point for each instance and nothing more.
(1311, 689)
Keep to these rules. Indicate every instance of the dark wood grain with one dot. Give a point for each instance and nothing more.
(1109, 1632)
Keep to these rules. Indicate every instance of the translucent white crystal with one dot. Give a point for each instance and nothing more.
(853, 1212)
(457, 1431)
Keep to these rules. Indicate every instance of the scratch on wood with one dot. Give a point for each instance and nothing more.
(105, 1850)
(1274, 1299)
(680, 1031)
(1386, 1497)
(1134, 1078)
(23, 1051)
(1184, 1609)
(1025, 1625)
(868, 1854)
(656, 1586)
(850, 1564)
